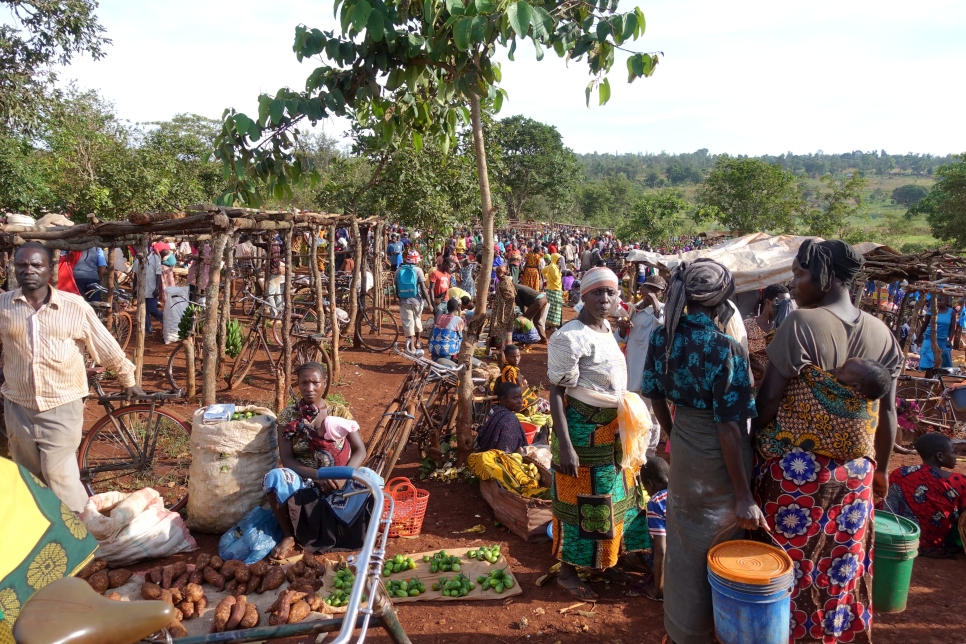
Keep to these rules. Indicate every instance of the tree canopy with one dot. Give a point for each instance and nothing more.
(945, 205)
(752, 195)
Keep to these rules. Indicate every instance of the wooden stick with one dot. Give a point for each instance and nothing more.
(361, 253)
(141, 318)
(286, 366)
(354, 284)
(333, 314)
(209, 366)
(226, 300)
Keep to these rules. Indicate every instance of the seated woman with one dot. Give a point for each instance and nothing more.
(312, 513)
(502, 430)
(525, 332)
(447, 333)
(931, 496)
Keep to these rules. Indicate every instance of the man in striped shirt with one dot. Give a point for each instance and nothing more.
(44, 333)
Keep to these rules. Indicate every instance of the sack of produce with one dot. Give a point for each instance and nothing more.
(175, 302)
(132, 527)
(228, 462)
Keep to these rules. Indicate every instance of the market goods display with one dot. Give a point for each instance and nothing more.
(498, 580)
(398, 564)
(233, 338)
(486, 553)
(458, 586)
(342, 587)
(401, 589)
(442, 562)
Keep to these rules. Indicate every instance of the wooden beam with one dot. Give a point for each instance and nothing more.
(209, 366)
(142, 312)
(333, 315)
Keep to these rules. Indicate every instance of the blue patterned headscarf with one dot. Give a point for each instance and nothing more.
(704, 282)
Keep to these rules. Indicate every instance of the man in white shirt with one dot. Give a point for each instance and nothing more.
(152, 288)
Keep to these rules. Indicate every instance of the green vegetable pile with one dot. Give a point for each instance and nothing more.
(458, 586)
(442, 562)
(498, 580)
(342, 584)
(410, 588)
(398, 564)
(242, 415)
(233, 338)
(486, 553)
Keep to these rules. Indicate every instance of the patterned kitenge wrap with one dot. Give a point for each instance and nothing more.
(42, 541)
(814, 484)
(531, 271)
(512, 374)
(821, 415)
(555, 302)
(600, 513)
(311, 448)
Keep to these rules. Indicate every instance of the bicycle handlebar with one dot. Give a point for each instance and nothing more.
(435, 366)
(341, 472)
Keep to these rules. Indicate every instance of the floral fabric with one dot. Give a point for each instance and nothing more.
(705, 369)
(820, 511)
(311, 448)
(921, 494)
(821, 415)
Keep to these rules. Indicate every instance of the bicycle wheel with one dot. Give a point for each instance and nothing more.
(123, 327)
(178, 368)
(304, 321)
(308, 351)
(112, 457)
(244, 362)
(379, 330)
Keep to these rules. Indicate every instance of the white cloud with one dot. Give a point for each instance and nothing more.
(751, 77)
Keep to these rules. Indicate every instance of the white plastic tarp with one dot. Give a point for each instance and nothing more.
(755, 260)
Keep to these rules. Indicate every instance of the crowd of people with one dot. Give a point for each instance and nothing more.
(781, 425)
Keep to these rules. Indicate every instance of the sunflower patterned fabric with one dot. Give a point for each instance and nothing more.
(821, 415)
(41, 541)
(509, 471)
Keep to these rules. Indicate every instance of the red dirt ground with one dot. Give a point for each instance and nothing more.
(935, 613)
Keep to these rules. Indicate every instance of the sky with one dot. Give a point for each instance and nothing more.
(746, 77)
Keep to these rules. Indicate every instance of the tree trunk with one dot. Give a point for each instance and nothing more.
(464, 429)
(141, 316)
(191, 362)
(316, 275)
(354, 283)
(379, 251)
(333, 315)
(285, 364)
(209, 349)
(109, 299)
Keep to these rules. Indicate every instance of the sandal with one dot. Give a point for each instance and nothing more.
(289, 556)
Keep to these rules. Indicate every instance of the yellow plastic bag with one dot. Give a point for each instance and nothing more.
(635, 426)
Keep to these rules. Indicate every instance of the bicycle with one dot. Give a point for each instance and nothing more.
(307, 349)
(69, 609)
(378, 328)
(136, 446)
(923, 404)
(114, 315)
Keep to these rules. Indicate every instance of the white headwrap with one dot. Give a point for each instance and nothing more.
(597, 276)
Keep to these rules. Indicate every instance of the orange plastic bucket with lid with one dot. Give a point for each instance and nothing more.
(749, 562)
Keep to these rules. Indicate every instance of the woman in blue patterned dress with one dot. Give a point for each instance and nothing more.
(705, 373)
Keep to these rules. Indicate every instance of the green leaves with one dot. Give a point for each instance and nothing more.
(640, 65)
(604, 91)
(455, 7)
(520, 14)
(542, 23)
(360, 15)
(462, 33)
(485, 6)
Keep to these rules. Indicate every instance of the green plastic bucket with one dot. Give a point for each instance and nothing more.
(896, 546)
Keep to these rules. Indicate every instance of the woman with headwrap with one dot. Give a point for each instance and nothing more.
(822, 452)
(598, 511)
(554, 288)
(501, 320)
(760, 326)
(531, 269)
(704, 372)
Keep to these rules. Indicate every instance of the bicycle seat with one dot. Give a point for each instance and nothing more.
(69, 611)
(93, 371)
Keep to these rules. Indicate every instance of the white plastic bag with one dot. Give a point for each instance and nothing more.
(175, 303)
(635, 430)
(133, 527)
(228, 462)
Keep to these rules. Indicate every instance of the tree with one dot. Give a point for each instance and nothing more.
(910, 194)
(751, 195)
(608, 202)
(408, 70)
(841, 201)
(535, 164)
(945, 205)
(655, 218)
(42, 34)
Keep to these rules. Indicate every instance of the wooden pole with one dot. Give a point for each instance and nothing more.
(226, 300)
(140, 319)
(110, 284)
(915, 324)
(285, 364)
(354, 283)
(380, 252)
(362, 253)
(210, 360)
(333, 315)
(191, 361)
(316, 275)
(933, 323)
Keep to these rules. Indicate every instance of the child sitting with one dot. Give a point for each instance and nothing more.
(867, 378)
(931, 496)
(511, 373)
(525, 333)
(654, 478)
(502, 430)
(447, 333)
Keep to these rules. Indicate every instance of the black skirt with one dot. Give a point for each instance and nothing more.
(318, 529)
